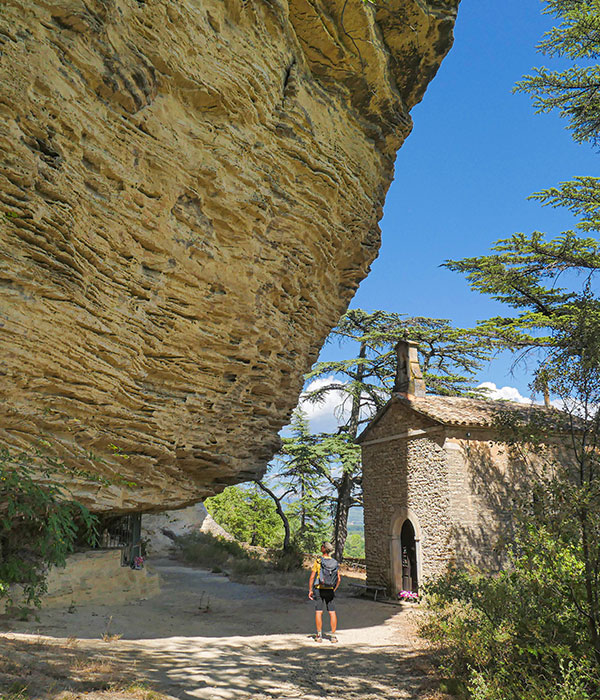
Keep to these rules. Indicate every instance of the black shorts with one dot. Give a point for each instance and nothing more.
(324, 598)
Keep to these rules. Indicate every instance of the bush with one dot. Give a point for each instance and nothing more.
(509, 637)
(38, 528)
(207, 551)
(281, 568)
(286, 560)
(221, 556)
(570, 685)
(247, 515)
(355, 545)
(245, 569)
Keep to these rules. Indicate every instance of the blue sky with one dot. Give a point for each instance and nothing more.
(463, 176)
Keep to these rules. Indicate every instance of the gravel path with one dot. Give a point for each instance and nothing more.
(251, 642)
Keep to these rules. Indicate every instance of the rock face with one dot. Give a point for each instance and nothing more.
(95, 577)
(189, 197)
(160, 529)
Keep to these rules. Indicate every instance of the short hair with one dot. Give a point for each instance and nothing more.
(328, 547)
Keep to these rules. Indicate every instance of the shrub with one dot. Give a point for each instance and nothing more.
(38, 528)
(509, 637)
(286, 560)
(355, 545)
(281, 568)
(247, 515)
(208, 551)
(244, 569)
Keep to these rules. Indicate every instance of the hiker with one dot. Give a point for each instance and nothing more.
(324, 578)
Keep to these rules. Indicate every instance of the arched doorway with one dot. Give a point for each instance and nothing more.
(405, 551)
(408, 546)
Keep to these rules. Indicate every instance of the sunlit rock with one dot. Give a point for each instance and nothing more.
(189, 198)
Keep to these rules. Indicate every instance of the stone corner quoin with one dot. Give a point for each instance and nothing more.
(189, 197)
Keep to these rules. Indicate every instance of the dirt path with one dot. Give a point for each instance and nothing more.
(252, 642)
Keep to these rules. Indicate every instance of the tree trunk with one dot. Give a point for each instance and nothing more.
(355, 410)
(345, 484)
(342, 508)
(280, 513)
(302, 509)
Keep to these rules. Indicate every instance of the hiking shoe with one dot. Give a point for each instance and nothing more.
(333, 639)
(318, 638)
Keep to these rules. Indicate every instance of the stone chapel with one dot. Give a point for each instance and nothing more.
(439, 484)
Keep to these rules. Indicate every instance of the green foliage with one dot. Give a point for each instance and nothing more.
(322, 472)
(243, 569)
(449, 356)
(302, 468)
(309, 531)
(574, 92)
(524, 272)
(312, 470)
(15, 691)
(202, 549)
(287, 560)
(581, 196)
(38, 527)
(528, 272)
(247, 515)
(220, 555)
(547, 609)
(551, 285)
(511, 637)
(534, 632)
(355, 545)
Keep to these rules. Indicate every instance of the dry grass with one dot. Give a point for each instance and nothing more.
(93, 667)
(437, 695)
(254, 565)
(108, 636)
(133, 691)
(37, 669)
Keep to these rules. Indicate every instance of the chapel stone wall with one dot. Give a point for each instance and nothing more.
(405, 474)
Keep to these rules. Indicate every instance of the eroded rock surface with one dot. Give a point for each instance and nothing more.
(189, 197)
(159, 530)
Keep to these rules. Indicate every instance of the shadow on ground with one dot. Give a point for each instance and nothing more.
(220, 669)
(196, 603)
(206, 637)
(260, 668)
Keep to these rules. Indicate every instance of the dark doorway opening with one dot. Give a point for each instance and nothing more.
(122, 532)
(409, 558)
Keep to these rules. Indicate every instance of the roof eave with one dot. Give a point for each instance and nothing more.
(400, 398)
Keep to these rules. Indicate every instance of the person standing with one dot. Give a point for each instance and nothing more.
(324, 580)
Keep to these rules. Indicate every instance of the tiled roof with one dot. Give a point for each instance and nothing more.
(461, 411)
(458, 410)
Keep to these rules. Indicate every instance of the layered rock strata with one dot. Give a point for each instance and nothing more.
(94, 577)
(189, 197)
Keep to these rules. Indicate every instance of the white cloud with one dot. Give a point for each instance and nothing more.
(333, 411)
(325, 416)
(509, 393)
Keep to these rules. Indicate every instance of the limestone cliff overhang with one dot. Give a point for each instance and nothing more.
(465, 412)
(189, 198)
